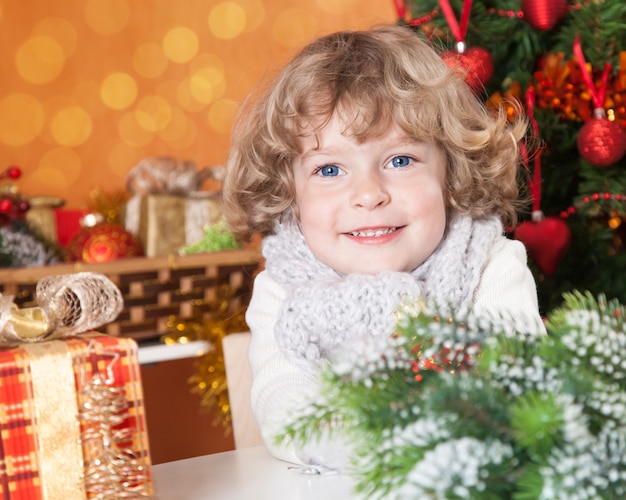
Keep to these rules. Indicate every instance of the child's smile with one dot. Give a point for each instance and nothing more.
(373, 206)
(374, 235)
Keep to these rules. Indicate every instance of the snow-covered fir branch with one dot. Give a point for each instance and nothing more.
(459, 405)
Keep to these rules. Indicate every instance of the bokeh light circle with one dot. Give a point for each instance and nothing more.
(61, 31)
(64, 160)
(255, 14)
(53, 178)
(107, 17)
(132, 133)
(207, 60)
(200, 87)
(40, 59)
(22, 119)
(149, 60)
(118, 90)
(207, 71)
(153, 113)
(178, 93)
(71, 126)
(227, 20)
(181, 132)
(180, 44)
(207, 84)
(185, 98)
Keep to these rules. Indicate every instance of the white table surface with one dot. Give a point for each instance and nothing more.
(244, 474)
(157, 353)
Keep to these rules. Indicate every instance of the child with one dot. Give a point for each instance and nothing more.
(374, 175)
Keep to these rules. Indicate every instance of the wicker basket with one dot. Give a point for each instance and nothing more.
(156, 288)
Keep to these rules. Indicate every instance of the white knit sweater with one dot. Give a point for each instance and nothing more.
(506, 285)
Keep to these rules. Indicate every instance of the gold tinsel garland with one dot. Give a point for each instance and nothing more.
(560, 87)
(109, 204)
(209, 382)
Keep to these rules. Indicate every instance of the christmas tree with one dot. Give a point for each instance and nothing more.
(565, 62)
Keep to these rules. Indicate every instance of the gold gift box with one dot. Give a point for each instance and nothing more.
(168, 222)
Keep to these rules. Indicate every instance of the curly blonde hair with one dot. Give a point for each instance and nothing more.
(387, 74)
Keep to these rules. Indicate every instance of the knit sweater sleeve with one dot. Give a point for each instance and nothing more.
(277, 384)
(507, 286)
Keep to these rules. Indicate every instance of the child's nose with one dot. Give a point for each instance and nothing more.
(369, 191)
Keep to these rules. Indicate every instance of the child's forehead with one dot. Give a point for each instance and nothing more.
(349, 122)
(323, 133)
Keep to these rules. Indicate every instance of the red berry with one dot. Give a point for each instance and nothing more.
(5, 205)
(14, 172)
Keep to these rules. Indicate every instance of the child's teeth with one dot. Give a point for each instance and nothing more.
(370, 234)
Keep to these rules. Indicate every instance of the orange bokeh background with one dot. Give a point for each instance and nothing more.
(90, 87)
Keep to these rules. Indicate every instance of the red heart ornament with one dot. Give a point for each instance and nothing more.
(546, 241)
(474, 64)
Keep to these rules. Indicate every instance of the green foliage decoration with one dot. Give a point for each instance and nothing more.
(459, 405)
(216, 237)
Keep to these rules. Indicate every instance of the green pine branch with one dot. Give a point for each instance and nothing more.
(527, 413)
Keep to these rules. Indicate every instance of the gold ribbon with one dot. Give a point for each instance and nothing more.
(28, 324)
(58, 430)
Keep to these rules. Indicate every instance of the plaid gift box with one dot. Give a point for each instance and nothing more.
(72, 422)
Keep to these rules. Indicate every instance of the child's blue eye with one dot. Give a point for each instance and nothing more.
(400, 161)
(329, 171)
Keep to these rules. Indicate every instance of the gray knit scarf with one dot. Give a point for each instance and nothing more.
(324, 309)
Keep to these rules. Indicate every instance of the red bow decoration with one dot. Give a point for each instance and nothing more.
(600, 141)
(475, 63)
(546, 238)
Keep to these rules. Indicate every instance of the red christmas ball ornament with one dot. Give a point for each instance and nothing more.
(601, 142)
(14, 172)
(23, 206)
(546, 240)
(474, 64)
(102, 243)
(544, 14)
